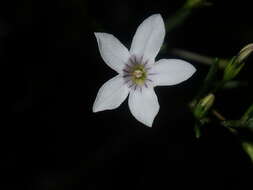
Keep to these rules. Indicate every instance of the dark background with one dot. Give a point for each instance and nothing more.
(51, 71)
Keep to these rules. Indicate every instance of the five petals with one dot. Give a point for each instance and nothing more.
(146, 43)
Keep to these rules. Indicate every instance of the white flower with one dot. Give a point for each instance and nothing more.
(138, 72)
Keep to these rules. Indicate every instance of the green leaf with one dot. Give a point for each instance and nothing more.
(248, 148)
(210, 79)
(248, 114)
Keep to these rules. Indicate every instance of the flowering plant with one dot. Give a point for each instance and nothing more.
(138, 72)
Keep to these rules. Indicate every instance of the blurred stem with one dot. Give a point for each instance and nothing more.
(224, 122)
(218, 115)
(219, 86)
(233, 124)
(178, 18)
(183, 13)
(202, 59)
(235, 84)
(192, 56)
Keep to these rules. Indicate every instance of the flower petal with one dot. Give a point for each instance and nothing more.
(149, 37)
(111, 94)
(113, 52)
(171, 72)
(144, 105)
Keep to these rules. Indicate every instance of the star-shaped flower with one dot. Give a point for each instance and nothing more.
(138, 72)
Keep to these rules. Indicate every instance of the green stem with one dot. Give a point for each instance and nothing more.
(218, 86)
(202, 59)
(218, 115)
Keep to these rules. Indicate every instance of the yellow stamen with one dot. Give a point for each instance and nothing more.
(138, 73)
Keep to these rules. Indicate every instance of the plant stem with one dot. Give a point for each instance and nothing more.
(218, 115)
(192, 56)
(202, 59)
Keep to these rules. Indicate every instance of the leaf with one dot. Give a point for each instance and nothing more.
(248, 148)
(210, 79)
(248, 114)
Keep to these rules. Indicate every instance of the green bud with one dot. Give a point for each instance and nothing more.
(245, 52)
(203, 106)
(236, 63)
(248, 148)
(232, 69)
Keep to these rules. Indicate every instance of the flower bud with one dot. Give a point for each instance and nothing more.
(232, 69)
(203, 106)
(245, 52)
(236, 64)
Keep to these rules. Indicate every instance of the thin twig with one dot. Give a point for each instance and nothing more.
(218, 115)
(202, 59)
(192, 56)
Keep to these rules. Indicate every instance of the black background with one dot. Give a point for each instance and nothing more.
(51, 71)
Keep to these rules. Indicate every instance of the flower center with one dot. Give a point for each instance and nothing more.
(136, 73)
